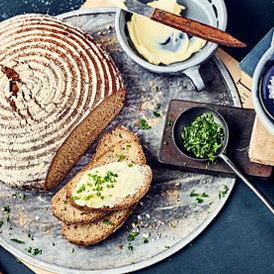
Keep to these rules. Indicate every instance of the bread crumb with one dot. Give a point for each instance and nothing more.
(140, 106)
(120, 246)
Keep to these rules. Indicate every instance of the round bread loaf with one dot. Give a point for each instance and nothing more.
(59, 89)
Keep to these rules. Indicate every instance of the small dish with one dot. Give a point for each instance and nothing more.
(262, 106)
(265, 91)
(186, 118)
(211, 12)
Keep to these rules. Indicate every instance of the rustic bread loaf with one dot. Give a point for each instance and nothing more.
(132, 152)
(61, 206)
(59, 89)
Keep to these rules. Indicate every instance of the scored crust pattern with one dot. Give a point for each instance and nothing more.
(52, 75)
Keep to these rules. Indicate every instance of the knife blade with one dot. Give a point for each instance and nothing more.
(183, 24)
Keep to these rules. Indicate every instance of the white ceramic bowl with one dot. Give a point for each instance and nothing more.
(210, 12)
(259, 102)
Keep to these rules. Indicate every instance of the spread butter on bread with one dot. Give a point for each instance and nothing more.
(107, 187)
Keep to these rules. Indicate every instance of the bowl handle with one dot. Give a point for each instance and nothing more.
(195, 76)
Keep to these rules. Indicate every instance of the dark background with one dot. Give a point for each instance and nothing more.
(241, 238)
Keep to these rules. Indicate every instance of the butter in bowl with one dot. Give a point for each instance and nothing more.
(161, 49)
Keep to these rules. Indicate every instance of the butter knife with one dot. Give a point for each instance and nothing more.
(180, 23)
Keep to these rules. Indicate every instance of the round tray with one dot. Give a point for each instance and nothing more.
(167, 216)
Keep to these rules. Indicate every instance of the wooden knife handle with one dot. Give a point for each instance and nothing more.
(195, 28)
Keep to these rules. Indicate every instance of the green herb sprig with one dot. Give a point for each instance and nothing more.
(7, 209)
(17, 241)
(132, 236)
(143, 124)
(36, 251)
(98, 182)
(107, 222)
(223, 193)
(193, 194)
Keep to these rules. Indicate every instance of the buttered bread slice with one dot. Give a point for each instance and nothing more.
(115, 180)
(61, 206)
(111, 187)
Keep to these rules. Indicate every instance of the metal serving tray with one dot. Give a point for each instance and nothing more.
(168, 217)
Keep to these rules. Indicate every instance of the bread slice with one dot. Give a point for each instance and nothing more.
(110, 139)
(61, 206)
(133, 153)
(65, 212)
(83, 136)
(87, 234)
